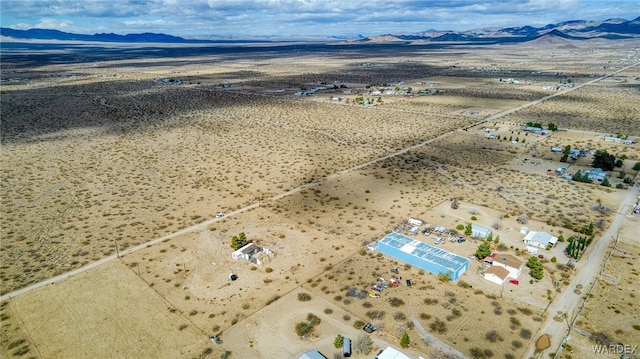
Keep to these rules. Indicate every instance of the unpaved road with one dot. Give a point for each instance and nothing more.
(204, 225)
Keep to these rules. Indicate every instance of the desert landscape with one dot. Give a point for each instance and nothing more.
(125, 178)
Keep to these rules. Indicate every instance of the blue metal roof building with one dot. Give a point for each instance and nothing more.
(422, 255)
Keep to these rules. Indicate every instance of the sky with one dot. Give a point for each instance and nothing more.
(202, 18)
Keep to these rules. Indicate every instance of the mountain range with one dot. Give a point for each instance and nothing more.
(611, 29)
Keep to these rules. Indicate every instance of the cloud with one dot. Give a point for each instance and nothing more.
(63, 25)
(253, 17)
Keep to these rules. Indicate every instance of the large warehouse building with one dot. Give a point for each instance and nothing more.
(422, 255)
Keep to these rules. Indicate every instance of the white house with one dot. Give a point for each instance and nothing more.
(540, 239)
(251, 252)
(512, 264)
(496, 274)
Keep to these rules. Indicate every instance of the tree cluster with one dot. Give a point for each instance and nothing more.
(576, 247)
(602, 159)
(536, 270)
(239, 241)
(581, 177)
(484, 250)
(304, 329)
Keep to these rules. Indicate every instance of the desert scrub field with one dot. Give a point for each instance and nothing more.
(455, 314)
(96, 162)
(602, 107)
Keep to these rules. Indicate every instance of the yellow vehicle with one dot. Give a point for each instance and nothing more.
(373, 295)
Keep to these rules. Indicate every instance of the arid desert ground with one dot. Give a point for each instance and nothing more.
(103, 155)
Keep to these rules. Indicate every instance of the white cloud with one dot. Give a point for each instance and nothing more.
(54, 24)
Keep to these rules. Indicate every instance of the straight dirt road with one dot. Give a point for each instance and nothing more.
(204, 225)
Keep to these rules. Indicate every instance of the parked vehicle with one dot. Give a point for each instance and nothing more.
(346, 347)
(408, 282)
(369, 328)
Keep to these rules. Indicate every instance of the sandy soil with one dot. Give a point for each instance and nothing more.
(104, 155)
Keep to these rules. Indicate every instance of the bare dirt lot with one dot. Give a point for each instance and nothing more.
(98, 157)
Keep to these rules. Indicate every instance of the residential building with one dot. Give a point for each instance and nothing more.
(540, 239)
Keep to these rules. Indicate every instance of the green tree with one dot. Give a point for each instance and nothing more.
(468, 230)
(483, 250)
(338, 341)
(490, 237)
(536, 269)
(636, 166)
(239, 241)
(404, 341)
(602, 159)
(605, 182)
(552, 126)
(460, 227)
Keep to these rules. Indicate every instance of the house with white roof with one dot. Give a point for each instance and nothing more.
(540, 239)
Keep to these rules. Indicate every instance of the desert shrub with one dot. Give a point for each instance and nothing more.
(516, 344)
(493, 336)
(337, 298)
(430, 301)
(396, 302)
(367, 304)
(425, 316)
(525, 333)
(399, 316)
(438, 326)
(460, 227)
(525, 311)
(358, 324)
(511, 311)
(21, 351)
(363, 344)
(272, 299)
(17, 343)
(338, 341)
(375, 314)
(477, 353)
(464, 284)
(346, 317)
(328, 311)
(515, 323)
(268, 270)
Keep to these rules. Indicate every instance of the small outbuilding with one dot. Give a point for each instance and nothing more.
(480, 231)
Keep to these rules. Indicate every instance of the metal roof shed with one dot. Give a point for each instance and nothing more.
(480, 231)
(422, 255)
